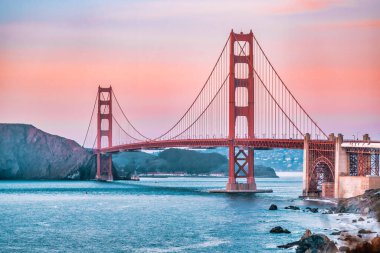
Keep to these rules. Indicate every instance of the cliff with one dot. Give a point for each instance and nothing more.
(29, 153)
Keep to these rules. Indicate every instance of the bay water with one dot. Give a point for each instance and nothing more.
(175, 214)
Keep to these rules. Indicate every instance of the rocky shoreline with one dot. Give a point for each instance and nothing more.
(358, 228)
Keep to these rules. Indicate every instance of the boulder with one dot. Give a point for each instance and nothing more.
(316, 243)
(368, 203)
(279, 230)
(344, 248)
(273, 207)
(365, 247)
(312, 209)
(376, 244)
(364, 231)
(310, 243)
(362, 247)
(292, 207)
(306, 234)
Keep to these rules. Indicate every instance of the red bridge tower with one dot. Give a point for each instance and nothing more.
(241, 159)
(104, 129)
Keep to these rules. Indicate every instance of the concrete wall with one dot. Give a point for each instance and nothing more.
(341, 163)
(352, 186)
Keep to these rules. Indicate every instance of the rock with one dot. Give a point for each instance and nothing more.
(350, 239)
(279, 230)
(376, 244)
(344, 248)
(354, 221)
(362, 247)
(306, 234)
(367, 247)
(316, 243)
(361, 219)
(368, 203)
(273, 207)
(288, 245)
(364, 231)
(336, 233)
(340, 214)
(328, 211)
(312, 209)
(292, 207)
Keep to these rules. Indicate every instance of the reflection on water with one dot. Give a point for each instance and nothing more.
(153, 215)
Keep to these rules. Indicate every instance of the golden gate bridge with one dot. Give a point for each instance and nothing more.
(243, 105)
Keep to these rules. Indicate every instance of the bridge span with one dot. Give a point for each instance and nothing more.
(244, 105)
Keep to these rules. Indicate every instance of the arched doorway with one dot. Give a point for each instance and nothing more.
(321, 174)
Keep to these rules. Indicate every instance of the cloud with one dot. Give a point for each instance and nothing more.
(352, 24)
(302, 6)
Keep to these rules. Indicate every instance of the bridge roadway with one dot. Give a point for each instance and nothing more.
(210, 143)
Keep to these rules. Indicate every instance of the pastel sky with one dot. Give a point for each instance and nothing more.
(157, 55)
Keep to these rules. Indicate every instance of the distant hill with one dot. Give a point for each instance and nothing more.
(178, 160)
(169, 160)
(29, 153)
(278, 159)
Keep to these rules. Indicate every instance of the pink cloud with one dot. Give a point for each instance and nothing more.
(300, 6)
(351, 24)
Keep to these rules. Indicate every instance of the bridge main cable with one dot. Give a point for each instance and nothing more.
(134, 128)
(197, 97)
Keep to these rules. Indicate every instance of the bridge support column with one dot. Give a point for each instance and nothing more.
(341, 164)
(241, 165)
(241, 159)
(305, 171)
(104, 129)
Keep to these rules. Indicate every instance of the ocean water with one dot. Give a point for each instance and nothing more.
(153, 215)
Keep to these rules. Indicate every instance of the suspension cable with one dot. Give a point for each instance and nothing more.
(225, 80)
(89, 124)
(128, 119)
(204, 86)
(271, 93)
(286, 87)
(124, 129)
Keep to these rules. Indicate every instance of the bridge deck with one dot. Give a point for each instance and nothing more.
(209, 143)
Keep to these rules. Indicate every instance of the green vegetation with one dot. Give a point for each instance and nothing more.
(178, 160)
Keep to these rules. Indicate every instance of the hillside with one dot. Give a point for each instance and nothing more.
(29, 153)
(178, 160)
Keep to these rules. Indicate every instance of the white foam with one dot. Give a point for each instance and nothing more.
(212, 242)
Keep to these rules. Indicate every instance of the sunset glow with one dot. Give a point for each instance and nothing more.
(157, 55)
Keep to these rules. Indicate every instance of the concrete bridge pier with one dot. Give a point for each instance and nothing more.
(319, 167)
(340, 169)
(341, 163)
